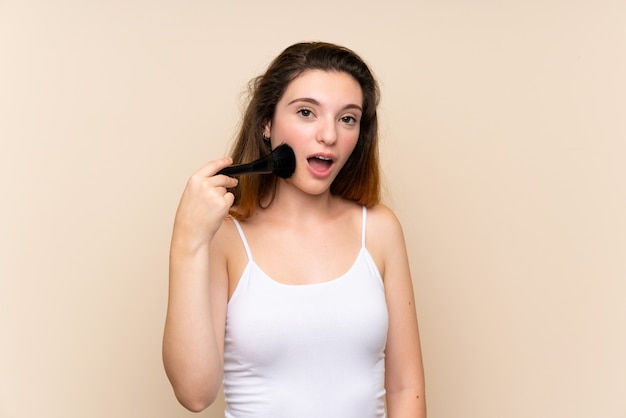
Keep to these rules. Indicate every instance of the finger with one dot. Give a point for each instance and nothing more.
(223, 181)
(223, 198)
(229, 198)
(214, 166)
(221, 191)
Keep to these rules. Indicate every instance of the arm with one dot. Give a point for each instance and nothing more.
(404, 372)
(193, 335)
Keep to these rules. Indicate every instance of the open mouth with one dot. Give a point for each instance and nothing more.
(320, 162)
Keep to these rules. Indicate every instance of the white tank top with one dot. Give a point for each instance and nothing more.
(306, 351)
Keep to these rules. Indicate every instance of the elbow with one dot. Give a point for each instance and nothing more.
(196, 395)
(196, 402)
(195, 388)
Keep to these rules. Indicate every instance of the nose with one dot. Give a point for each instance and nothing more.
(327, 132)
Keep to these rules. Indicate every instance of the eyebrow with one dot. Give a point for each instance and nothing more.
(315, 102)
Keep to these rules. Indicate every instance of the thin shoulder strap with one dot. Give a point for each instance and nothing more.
(243, 239)
(364, 221)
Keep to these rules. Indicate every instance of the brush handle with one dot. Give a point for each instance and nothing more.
(262, 166)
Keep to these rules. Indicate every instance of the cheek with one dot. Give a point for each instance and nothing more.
(291, 133)
(350, 142)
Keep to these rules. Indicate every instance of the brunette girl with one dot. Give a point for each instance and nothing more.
(296, 293)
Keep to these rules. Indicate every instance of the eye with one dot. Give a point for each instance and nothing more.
(350, 120)
(304, 112)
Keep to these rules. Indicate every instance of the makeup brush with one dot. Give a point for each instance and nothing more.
(281, 162)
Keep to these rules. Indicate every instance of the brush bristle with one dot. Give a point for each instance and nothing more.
(284, 161)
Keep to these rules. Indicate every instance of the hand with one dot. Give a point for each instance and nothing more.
(204, 205)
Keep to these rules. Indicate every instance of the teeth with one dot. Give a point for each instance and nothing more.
(319, 157)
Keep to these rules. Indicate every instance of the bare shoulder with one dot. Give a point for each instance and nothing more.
(228, 255)
(382, 223)
(385, 238)
(225, 235)
(226, 246)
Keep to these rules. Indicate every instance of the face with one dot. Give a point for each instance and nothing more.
(319, 117)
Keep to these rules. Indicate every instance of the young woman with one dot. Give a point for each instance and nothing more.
(296, 293)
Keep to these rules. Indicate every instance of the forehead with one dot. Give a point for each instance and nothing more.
(328, 85)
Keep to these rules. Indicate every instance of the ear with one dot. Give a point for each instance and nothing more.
(267, 129)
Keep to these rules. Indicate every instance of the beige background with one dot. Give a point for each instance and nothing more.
(504, 143)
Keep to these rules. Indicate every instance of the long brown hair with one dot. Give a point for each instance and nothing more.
(359, 179)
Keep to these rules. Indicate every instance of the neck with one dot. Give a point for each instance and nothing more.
(293, 204)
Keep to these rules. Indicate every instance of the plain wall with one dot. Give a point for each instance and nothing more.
(503, 146)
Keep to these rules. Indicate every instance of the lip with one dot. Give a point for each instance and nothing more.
(320, 170)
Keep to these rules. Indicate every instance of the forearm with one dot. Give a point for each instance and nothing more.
(191, 353)
(408, 403)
